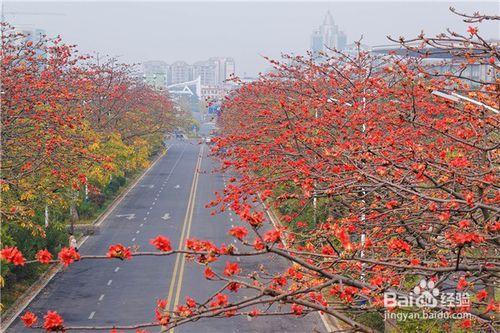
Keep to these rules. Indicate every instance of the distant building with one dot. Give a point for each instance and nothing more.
(354, 48)
(327, 36)
(156, 73)
(230, 69)
(441, 62)
(223, 67)
(181, 72)
(203, 79)
(206, 71)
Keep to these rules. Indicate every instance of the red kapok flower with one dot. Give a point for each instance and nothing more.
(272, 236)
(209, 273)
(492, 306)
(231, 269)
(219, 301)
(466, 323)
(68, 256)
(472, 30)
(481, 295)
(239, 232)
(233, 286)
(53, 322)
(258, 244)
(190, 302)
(161, 313)
(44, 256)
(254, 313)
(12, 255)
(297, 309)
(462, 283)
(183, 311)
(119, 251)
(161, 243)
(399, 245)
(29, 319)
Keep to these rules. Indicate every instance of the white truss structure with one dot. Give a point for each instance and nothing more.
(183, 88)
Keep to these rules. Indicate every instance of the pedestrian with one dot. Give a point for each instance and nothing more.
(73, 243)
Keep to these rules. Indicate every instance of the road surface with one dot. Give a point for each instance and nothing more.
(169, 200)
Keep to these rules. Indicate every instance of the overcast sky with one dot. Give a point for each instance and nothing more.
(139, 31)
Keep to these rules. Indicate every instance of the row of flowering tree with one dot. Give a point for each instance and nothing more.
(70, 124)
(376, 183)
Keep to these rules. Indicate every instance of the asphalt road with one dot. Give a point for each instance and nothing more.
(169, 200)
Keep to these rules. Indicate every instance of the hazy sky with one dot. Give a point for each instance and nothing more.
(191, 31)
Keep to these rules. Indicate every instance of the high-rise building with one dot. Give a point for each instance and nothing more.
(223, 67)
(155, 73)
(327, 36)
(181, 72)
(206, 71)
(230, 68)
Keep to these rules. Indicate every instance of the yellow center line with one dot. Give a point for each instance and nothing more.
(178, 271)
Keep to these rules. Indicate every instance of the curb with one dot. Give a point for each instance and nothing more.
(331, 323)
(27, 297)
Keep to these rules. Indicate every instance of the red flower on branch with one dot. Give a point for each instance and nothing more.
(399, 245)
(297, 309)
(209, 273)
(12, 255)
(161, 313)
(231, 269)
(481, 295)
(44, 256)
(53, 322)
(238, 232)
(462, 283)
(29, 319)
(466, 238)
(220, 300)
(67, 256)
(258, 244)
(190, 302)
(233, 286)
(119, 251)
(472, 30)
(272, 236)
(161, 243)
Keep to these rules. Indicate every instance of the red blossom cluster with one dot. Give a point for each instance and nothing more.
(68, 255)
(161, 243)
(12, 255)
(119, 251)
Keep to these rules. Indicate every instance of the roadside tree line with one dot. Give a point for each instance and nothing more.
(73, 127)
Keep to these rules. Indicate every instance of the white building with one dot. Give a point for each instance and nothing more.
(327, 36)
(156, 73)
(181, 72)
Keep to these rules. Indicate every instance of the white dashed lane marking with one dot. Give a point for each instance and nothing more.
(109, 282)
(101, 297)
(138, 231)
(92, 315)
(133, 239)
(117, 269)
